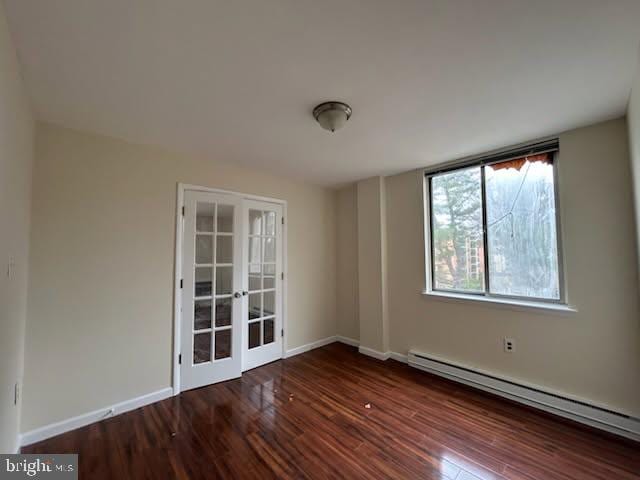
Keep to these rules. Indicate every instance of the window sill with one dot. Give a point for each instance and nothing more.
(522, 305)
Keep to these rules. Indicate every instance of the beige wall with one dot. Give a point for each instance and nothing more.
(16, 145)
(593, 354)
(347, 266)
(372, 295)
(102, 257)
(633, 118)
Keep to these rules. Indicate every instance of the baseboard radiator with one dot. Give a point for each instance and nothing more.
(577, 410)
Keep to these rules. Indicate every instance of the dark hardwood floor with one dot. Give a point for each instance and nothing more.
(307, 417)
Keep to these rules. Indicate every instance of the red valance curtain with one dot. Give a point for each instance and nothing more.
(517, 163)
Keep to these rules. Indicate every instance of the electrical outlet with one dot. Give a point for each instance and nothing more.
(509, 345)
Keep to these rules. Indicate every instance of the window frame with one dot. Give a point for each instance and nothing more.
(549, 146)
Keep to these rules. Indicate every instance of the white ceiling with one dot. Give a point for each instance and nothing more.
(236, 80)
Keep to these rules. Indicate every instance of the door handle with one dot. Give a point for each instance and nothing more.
(237, 295)
(245, 293)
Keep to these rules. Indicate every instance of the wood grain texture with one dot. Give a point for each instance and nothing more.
(307, 417)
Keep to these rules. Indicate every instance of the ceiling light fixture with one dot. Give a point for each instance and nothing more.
(332, 115)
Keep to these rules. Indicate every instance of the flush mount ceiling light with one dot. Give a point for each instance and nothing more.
(332, 115)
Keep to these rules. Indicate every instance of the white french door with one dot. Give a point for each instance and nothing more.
(211, 306)
(262, 310)
(231, 303)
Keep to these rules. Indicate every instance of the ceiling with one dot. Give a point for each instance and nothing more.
(429, 80)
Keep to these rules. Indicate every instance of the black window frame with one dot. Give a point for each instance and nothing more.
(550, 147)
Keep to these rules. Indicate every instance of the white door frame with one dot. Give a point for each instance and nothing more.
(177, 290)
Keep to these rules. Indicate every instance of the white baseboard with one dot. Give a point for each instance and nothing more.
(383, 355)
(310, 346)
(535, 396)
(370, 352)
(63, 426)
(348, 341)
(398, 357)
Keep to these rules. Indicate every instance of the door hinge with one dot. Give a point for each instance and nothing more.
(181, 282)
(183, 211)
(283, 220)
(179, 359)
(282, 332)
(282, 275)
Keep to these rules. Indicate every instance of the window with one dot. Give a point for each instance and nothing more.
(493, 227)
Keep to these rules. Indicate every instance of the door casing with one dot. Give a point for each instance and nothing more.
(177, 294)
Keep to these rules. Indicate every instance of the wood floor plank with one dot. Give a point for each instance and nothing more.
(333, 413)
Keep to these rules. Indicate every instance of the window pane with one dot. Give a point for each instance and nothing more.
(224, 249)
(269, 251)
(204, 216)
(254, 334)
(225, 218)
(268, 326)
(224, 307)
(254, 278)
(255, 222)
(269, 223)
(269, 281)
(204, 249)
(254, 250)
(201, 314)
(456, 202)
(202, 347)
(203, 281)
(255, 306)
(269, 303)
(521, 225)
(224, 280)
(223, 344)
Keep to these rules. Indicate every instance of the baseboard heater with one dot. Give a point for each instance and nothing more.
(580, 411)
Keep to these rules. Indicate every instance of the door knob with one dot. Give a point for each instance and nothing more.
(237, 295)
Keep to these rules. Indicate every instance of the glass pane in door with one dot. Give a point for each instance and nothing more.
(269, 327)
(269, 252)
(224, 280)
(269, 303)
(255, 278)
(270, 223)
(255, 222)
(213, 282)
(202, 314)
(205, 213)
(224, 308)
(203, 281)
(262, 283)
(204, 249)
(202, 347)
(254, 334)
(223, 344)
(224, 249)
(224, 222)
(255, 306)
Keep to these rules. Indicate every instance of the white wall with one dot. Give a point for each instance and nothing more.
(102, 258)
(593, 354)
(16, 145)
(633, 119)
(347, 267)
